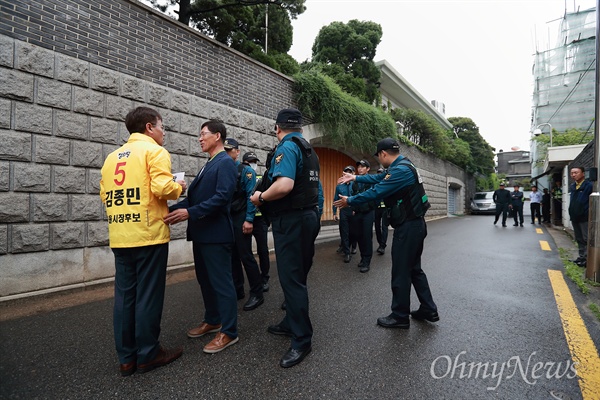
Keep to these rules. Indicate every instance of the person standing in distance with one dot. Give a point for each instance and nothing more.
(206, 208)
(135, 186)
(260, 229)
(381, 224)
(546, 207)
(291, 195)
(535, 201)
(516, 204)
(579, 208)
(346, 214)
(401, 188)
(501, 198)
(242, 214)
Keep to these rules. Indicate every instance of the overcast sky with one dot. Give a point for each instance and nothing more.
(475, 56)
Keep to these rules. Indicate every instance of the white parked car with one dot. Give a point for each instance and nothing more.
(483, 203)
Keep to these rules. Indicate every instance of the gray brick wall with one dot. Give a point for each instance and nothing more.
(64, 26)
(64, 92)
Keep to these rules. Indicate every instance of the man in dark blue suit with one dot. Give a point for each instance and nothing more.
(210, 229)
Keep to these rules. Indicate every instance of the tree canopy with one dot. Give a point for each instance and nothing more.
(481, 152)
(241, 24)
(345, 53)
(570, 137)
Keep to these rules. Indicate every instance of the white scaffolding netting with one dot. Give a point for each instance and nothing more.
(564, 90)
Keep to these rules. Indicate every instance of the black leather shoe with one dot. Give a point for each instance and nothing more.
(393, 322)
(381, 250)
(521, 224)
(504, 225)
(339, 250)
(265, 287)
(278, 330)
(253, 302)
(364, 268)
(347, 258)
(427, 315)
(283, 306)
(293, 357)
(515, 224)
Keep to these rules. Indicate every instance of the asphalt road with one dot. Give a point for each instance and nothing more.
(495, 302)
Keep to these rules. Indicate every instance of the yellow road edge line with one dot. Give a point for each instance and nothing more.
(545, 246)
(539, 230)
(582, 348)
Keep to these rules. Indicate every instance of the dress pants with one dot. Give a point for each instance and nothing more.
(535, 212)
(261, 235)
(213, 272)
(294, 233)
(242, 255)
(580, 229)
(381, 226)
(407, 248)
(363, 226)
(518, 214)
(501, 208)
(346, 218)
(140, 276)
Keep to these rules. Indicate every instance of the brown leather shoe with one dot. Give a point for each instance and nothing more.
(128, 369)
(203, 329)
(164, 357)
(220, 342)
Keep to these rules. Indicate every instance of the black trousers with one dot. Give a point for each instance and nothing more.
(261, 235)
(140, 277)
(346, 218)
(407, 247)
(381, 226)
(535, 212)
(501, 208)
(363, 226)
(546, 212)
(518, 213)
(242, 255)
(294, 234)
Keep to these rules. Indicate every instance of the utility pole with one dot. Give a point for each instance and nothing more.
(266, 28)
(592, 270)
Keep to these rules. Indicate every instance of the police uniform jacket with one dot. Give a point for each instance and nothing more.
(135, 186)
(397, 177)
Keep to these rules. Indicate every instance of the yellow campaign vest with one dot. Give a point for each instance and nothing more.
(135, 186)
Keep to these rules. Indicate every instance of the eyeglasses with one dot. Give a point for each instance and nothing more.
(203, 134)
(161, 127)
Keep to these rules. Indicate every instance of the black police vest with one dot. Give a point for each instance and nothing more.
(408, 203)
(364, 207)
(305, 193)
(239, 201)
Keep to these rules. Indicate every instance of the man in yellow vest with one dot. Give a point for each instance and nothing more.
(135, 186)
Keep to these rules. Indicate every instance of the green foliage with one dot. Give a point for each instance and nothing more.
(488, 183)
(595, 310)
(345, 52)
(568, 138)
(573, 271)
(422, 130)
(346, 121)
(240, 24)
(482, 153)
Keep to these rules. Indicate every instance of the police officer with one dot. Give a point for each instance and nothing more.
(501, 198)
(516, 204)
(260, 231)
(402, 190)
(381, 224)
(346, 214)
(289, 194)
(242, 215)
(364, 216)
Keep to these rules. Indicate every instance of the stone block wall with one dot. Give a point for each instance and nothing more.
(70, 70)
